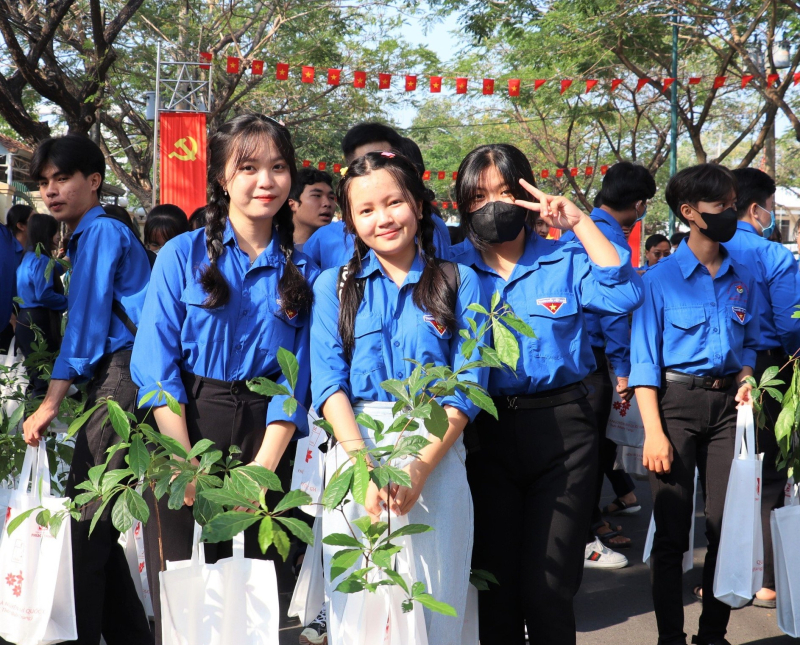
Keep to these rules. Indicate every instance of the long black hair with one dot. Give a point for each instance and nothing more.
(431, 292)
(511, 164)
(239, 139)
(41, 230)
(16, 215)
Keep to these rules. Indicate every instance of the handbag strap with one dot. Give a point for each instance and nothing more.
(198, 551)
(745, 444)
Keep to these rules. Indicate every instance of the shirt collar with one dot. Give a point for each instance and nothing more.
(688, 262)
(747, 228)
(537, 250)
(272, 255)
(91, 215)
(370, 264)
(608, 218)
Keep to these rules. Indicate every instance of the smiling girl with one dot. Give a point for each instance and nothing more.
(222, 301)
(396, 303)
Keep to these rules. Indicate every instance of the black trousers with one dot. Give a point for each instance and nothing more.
(601, 391)
(701, 426)
(529, 484)
(773, 480)
(48, 321)
(106, 601)
(229, 415)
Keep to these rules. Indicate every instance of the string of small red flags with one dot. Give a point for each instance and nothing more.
(308, 74)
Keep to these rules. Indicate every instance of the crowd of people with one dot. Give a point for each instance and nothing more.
(204, 303)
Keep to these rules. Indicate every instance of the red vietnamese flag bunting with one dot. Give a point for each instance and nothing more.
(436, 84)
(590, 84)
(772, 79)
(589, 171)
(233, 65)
(334, 76)
(796, 78)
(257, 67)
(488, 86)
(615, 83)
(538, 83)
(322, 165)
(411, 83)
(445, 204)
(573, 172)
(435, 203)
(205, 57)
(359, 79)
(603, 170)
(719, 81)
(746, 79)
(565, 84)
(440, 174)
(306, 163)
(308, 74)
(461, 85)
(545, 174)
(455, 175)
(640, 84)
(513, 87)
(384, 81)
(667, 83)
(559, 172)
(337, 168)
(282, 71)
(695, 80)
(426, 175)
(455, 206)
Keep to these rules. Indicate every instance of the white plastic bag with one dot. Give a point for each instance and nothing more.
(625, 427)
(469, 631)
(377, 618)
(309, 592)
(37, 606)
(629, 459)
(308, 474)
(785, 523)
(232, 601)
(132, 542)
(15, 381)
(740, 562)
(688, 557)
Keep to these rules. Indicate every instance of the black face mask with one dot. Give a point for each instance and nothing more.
(720, 227)
(497, 222)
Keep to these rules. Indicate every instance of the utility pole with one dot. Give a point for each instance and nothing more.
(673, 155)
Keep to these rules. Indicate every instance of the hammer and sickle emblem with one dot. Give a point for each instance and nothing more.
(189, 152)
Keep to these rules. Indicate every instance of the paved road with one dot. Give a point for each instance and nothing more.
(615, 607)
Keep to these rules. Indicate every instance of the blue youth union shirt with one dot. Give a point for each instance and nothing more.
(34, 288)
(549, 288)
(777, 287)
(610, 333)
(389, 328)
(108, 263)
(692, 323)
(237, 341)
(332, 246)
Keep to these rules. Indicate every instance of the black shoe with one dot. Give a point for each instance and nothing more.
(697, 641)
(316, 633)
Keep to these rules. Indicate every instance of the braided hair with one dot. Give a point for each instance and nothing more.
(431, 292)
(239, 139)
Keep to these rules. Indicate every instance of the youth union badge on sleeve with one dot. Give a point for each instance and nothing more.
(439, 327)
(551, 304)
(740, 312)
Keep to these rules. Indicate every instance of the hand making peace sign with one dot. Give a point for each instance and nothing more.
(559, 212)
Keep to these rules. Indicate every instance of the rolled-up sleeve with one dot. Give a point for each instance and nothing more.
(647, 335)
(610, 290)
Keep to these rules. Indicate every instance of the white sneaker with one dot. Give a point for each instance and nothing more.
(599, 556)
(316, 633)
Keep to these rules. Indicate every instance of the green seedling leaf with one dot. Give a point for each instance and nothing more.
(337, 489)
(265, 534)
(342, 539)
(43, 518)
(138, 456)
(281, 542)
(775, 394)
(478, 308)
(769, 374)
(382, 556)
(516, 323)
(290, 406)
(490, 357)
(266, 387)
(227, 497)
(172, 402)
(428, 601)
(121, 516)
(298, 528)
(480, 579)
(360, 480)
(289, 366)
(482, 400)
(261, 476)
(137, 506)
(396, 578)
(199, 448)
(409, 529)
(398, 476)
(78, 423)
(506, 345)
(119, 421)
(350, 585)
(343, 560)
(367, 421)
(292, 499)
(468, 347)
(225, 526)
(325, 425)
(14, 524)
(397, 388)
(495, 300)
(173, 446)
(363, 523)
(146, 398)
(438, 422)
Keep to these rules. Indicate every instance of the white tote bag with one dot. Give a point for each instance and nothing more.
(688, 557)
(309, 591)
(132, 542)
(625, 427)
(378, 618)
(785, 523)
(740, 562)
(232, 601)
(308, 474)
(37, 606)
(629, 459)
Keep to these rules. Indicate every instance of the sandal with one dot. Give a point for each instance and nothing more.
(622, 508)
(606, 537)
(698, 592)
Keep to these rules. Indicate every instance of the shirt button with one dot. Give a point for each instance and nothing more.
(244, 313)
(399, 375)
(397, 343)
(239, 346)
(715, 330)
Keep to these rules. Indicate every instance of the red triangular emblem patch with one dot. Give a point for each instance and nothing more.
(740, 313)
(439, 327)
(551, 304)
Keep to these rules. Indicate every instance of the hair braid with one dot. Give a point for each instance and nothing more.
(431, 292)
(348, 299)
(296, 295)
(211, 278)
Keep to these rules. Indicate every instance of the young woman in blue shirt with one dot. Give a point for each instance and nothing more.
(407, 311)
(222, 301)
(43, 299)
(536, 466)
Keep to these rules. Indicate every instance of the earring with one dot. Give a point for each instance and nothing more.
(225, 192)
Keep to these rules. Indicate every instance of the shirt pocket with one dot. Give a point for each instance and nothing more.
(685, 331)
(558, 324)
(738, 317)
(368, 344)
(281, 329)
(433, 342)
(199, 325)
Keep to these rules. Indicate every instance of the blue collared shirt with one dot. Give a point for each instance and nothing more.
(33, 288)
(332, 246)
(237, 341)
(389, 328)
(550, 287)
(778, 287)
(108, 263)
(611, 333)
(692, 323)
(8, 270)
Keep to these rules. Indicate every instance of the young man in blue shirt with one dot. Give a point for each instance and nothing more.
(693, 342)
(777, 294)
(110, 268)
